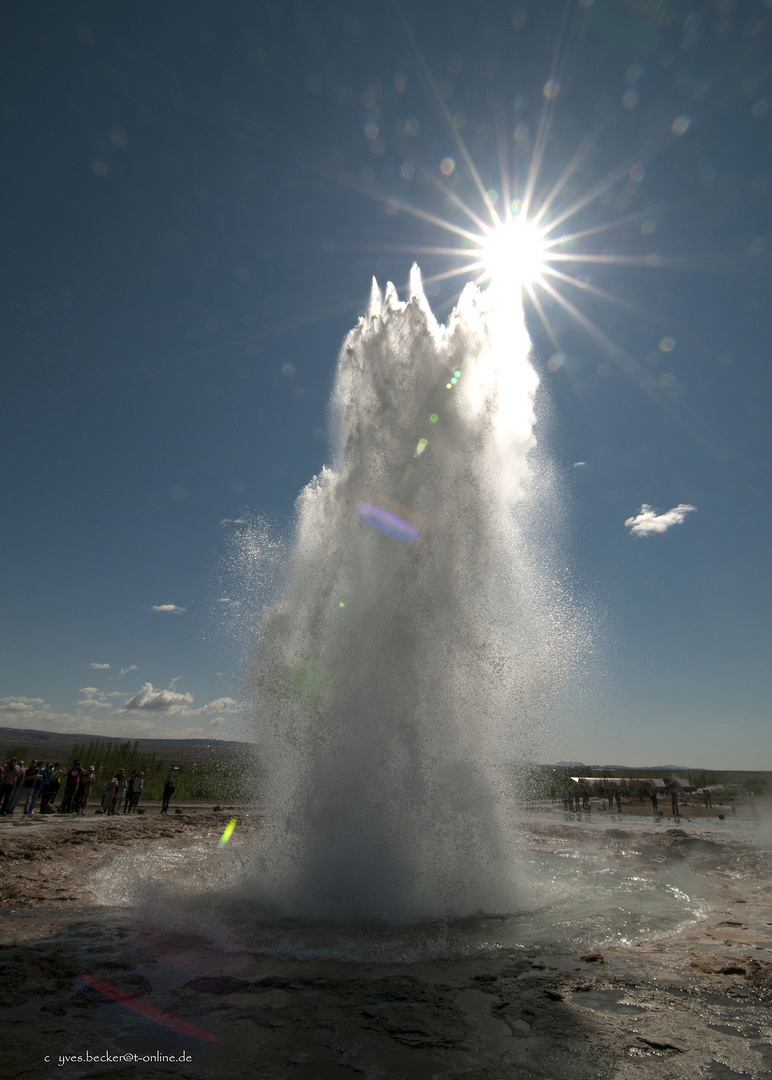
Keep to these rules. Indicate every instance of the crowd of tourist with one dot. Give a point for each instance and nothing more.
(43, 780)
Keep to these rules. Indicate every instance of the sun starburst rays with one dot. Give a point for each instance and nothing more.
(529, 246)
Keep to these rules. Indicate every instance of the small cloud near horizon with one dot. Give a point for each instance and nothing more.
(233, 521)
(578, 464)
(647, 521)
(20, 704)
(219, 705)
(171, 608)
(100, 667)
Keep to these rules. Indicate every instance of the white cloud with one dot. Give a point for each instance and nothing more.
(172, 608)
(219, 705)
(93, 698)
(647, 521)
(578, 464)
(20, 704)
(157, 714)
(100, 667)
(126, 670)
(233, 521)
(158, 700)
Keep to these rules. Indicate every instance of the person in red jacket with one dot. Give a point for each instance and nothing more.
(71, 781)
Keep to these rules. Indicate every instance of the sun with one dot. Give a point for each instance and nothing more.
(514, 253)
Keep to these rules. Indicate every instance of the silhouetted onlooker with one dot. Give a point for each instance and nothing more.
(167, 794)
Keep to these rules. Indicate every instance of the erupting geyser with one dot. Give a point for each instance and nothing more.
(421, 639)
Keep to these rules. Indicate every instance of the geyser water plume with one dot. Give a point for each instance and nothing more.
(420, 641)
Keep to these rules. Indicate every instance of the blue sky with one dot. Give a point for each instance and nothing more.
(196, 198)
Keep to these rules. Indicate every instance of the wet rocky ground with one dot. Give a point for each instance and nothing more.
(80, 979)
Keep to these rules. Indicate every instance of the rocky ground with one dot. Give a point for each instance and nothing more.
(81, 979)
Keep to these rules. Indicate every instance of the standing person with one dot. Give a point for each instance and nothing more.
(10, 772)
(139, 783)
(618, 798)
(752, 804)
(653, 797)
(120, 791)
(10, 806)
(45, 773)
(71, 781)
(109, 797)
(50, 788)
(129, 793)
(168, 792)
(674, 801)
(31, 785)
(84, 788)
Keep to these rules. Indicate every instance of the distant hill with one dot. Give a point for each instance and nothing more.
(644, 768)
(56, 746)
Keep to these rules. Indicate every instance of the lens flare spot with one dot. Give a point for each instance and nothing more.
(551, 88)
(667, 344)
(387, 522)
(422, 444)
(681, 124)
(145, 1009)
(433, 418)
(228, 832)
(447, 166)
(308, 679)
(556, 361)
